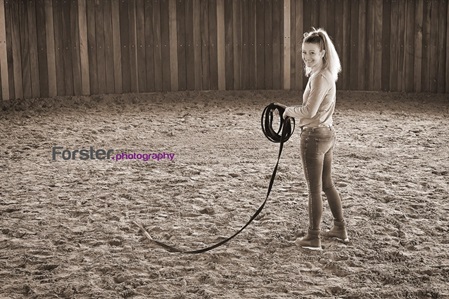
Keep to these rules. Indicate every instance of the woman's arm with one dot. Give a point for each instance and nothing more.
(319, 86)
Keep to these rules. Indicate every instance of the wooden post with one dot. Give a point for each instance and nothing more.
(3, 53)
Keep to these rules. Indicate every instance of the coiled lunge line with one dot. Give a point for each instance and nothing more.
(286, 127)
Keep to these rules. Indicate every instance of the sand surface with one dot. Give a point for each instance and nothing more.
(66, 226)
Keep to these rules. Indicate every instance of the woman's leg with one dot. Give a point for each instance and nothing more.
(334, 200)
(333, 197)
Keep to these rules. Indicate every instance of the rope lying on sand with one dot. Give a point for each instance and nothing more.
(287, 127)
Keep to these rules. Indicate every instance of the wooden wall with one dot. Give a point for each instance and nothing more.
(82, 47)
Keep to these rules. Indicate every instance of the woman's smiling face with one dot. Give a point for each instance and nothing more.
(312, 55)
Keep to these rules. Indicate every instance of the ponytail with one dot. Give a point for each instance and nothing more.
(331, 61)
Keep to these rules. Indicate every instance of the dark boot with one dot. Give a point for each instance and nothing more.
(338, 231)
(311, 241)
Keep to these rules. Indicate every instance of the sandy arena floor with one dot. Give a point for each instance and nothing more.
(66, 225)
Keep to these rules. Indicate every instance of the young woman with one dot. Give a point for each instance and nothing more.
(322, 66)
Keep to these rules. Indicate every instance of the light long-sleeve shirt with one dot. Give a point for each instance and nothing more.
(318, 102)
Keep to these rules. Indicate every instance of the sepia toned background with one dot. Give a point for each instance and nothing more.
(83, 47)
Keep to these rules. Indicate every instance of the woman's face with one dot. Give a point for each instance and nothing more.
(312, 55)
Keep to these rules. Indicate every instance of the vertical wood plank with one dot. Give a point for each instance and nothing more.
(205, 44)
(442, 28)
(245, 41)
(409, 46)
(173, 40)
(125, 46)
(197, 44)
(418, 37)
(401, 48)
(260, 44)
(293, 82)
(3, 54)
(394, 46)
(140, 46)
(149, 48)
(378, 8)
(386, 27)
(369, 64)
(25, 48)
(84, 47)
(365, 37)
(348, 44)
(354, 65)
(109, 47)
(59, 47)
(322, 15)
(165, 40)
(181, 43)
(298, 40)
(158, 46)
(117, 48)
(229, 46)
(287, 57)
(268, 32)
(50, 43)
(237, 42)
(34, 60)
(252, 44)
(314, 14)
(447, 49)
(75, 37)
(213, 58)
(221, 45)
(338, 40)
(42, 48)
(277, 35)
(190, 46)
(66, 47)
(92, 47)
(434, 46)
(133, 63)
(426, 48)
(9, 47)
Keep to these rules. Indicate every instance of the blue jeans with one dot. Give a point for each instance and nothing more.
(317, 146)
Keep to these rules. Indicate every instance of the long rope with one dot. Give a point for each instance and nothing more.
(287, 127)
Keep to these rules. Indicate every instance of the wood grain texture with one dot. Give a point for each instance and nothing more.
(286, 54)
(149, 45)
(418, 43)
(173, 41)
(181, 29)
(221, 54)
(34, 60)
(25, 49)
(105, 46)
(140, 46)
(67, 48)
(116, 44)
(229, 46)
(447, 48)
(190, 46)
(3, 54)
(83, 47)
(108, 47)
(197, 44)
(237, 42)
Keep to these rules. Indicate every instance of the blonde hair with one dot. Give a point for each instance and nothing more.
(331, 61)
